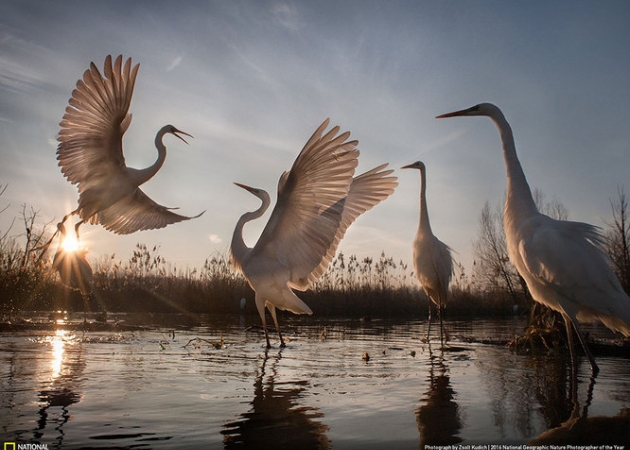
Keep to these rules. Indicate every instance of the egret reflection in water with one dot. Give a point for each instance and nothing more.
(438, 416)
(276, 420)
(555, 388)
(583, 430)
(126, 392)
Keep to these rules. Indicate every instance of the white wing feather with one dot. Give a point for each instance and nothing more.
(433, 265)
(308, 211)
(565, 258)
(137, 212)
(367, 190)
(90, 140)
(90, 152)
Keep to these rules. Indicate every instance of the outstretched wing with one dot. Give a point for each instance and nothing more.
(367, 190)
(90, 140)
(311, 199)
(137, 212)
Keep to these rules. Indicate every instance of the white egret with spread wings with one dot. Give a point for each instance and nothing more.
(432, 259)
(561, 261)
(90, 153)
(317, 201)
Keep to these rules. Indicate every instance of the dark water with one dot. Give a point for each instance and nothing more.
(160, 387)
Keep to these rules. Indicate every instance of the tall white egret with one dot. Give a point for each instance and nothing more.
(432, 259)
(318, 199)
(90, 153)
(562, 262)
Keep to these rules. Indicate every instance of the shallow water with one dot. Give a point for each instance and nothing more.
(161, 387)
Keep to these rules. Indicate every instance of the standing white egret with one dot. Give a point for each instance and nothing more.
(74, 270)
(317, 200)
(90, 153)
(70, 262)
(432, 259)
(562, 262)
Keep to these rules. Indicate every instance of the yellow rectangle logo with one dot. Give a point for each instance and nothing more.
(9, 446)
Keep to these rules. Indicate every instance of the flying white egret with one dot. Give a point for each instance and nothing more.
(90, 153)
(562, 262)
(318, 199)
(432, 259)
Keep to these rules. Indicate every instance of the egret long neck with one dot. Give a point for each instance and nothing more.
(238, 248)
(519, 202)
(425, 226)
(144, 175)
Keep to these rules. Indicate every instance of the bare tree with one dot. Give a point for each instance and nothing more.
(3, 189)
(4, 236)
(493, 269)
(617, 238)
(35, 236)
(494, 266)
(553, 208)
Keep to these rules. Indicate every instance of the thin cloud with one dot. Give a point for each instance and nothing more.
(176, 62)
(287, 15)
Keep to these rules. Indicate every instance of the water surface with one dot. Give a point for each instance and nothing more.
(210, 383)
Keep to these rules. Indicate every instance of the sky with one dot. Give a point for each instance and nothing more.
(252, 80)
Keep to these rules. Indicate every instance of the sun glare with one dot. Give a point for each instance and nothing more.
(58, 343)
(70, 244)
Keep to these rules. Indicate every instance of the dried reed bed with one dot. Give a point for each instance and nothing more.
(147, 282)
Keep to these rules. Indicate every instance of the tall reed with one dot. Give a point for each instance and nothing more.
(147, 282)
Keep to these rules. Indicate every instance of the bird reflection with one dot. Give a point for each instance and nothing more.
(438, 414)
(583, 430)
(555, 388)
(275, 419)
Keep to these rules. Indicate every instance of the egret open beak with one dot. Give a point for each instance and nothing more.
(462, 112)
(176, 131)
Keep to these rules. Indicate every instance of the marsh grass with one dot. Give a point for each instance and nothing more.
(147, 282)
(25, 280)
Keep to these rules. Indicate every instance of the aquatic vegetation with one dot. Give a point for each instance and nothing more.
(24, 273)
(147, 282)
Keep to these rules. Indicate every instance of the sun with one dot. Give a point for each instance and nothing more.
(70, 244)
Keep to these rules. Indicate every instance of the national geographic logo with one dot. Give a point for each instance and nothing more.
(16, 446)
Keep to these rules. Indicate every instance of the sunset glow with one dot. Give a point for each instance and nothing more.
(70, 244)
